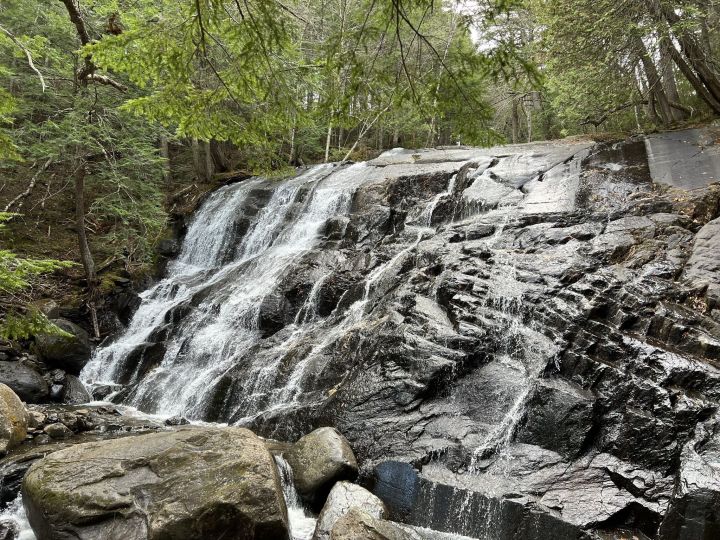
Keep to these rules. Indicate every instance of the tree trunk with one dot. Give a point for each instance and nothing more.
(656, 93)
(692, 51)
(85, 254)
(328, 139)
(669, 82)
(209, 164)
(514, 119)
(693, 79)
(165, 154)
(219, 156)
(198, 165)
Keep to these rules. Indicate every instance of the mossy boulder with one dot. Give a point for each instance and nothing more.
(69, 349)
(13, 419)
(177, 485)
(319, 459)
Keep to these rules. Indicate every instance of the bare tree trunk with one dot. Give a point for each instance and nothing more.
(515, 119)
(693, 52)
(85, 254)
(84, 247)
(198, 166)
(656, 93)
(327, 139)
(209, 164)
(693, 79)
(669, 82)
(219, 156)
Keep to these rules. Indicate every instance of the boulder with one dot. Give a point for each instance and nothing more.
(69, 352)
(175, 485)
(58, 430)
(13, 419)
(74, 392)
(318, 460)
(25, 381)
(359, 525)
(343, 497)
(694, 510)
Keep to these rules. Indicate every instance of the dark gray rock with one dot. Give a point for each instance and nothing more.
(70, 353)
(74, 391)
(168, 247)
(694, 510)
(703, 267)
(558, 417)
(25, 381)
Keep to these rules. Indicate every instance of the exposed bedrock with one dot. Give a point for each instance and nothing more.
(530, 334)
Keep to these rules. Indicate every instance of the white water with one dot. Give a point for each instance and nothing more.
(15, 513)
(302, 523)
(224, 326)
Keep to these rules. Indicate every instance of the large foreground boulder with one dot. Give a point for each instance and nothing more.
(343, 497)
(180, 485)
(25, 381)
(13, 419)
(69, 351)
(319, 459)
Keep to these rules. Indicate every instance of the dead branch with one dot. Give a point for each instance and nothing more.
(29, 189)
(28, 54)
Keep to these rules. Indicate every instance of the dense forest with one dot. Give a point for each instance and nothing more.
(115, 114)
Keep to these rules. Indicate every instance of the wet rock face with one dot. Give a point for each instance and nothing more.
(694, 510)
(533, 330)
(162, 485)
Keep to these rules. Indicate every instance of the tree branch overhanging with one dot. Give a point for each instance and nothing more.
(87, 73)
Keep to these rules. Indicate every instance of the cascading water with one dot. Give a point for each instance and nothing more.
(223, 327)
(302, 523)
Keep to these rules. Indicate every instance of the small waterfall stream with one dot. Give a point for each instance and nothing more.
(302, 523)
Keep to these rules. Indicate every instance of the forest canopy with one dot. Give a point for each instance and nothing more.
(122, 108)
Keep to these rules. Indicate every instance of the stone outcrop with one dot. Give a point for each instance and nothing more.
(13, 419)
(318, 460)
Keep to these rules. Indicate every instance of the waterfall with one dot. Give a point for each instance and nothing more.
(302, 523)
(226, 292)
